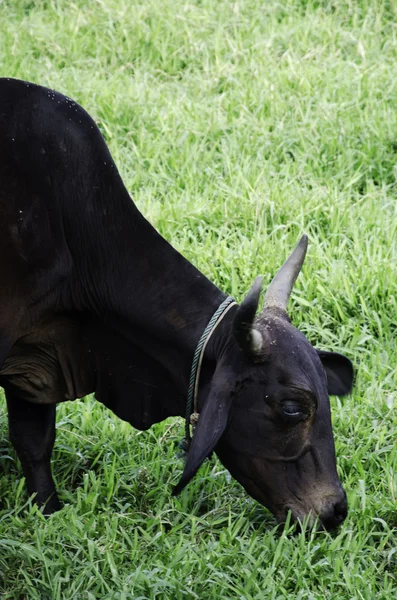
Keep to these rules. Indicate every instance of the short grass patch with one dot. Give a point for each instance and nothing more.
(236, 127)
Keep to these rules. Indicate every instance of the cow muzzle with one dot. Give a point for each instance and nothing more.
(334, 511)
(326, 514)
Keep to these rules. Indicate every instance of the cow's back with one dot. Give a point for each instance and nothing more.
(62, 202)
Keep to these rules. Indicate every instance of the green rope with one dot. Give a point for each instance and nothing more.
(184, 445)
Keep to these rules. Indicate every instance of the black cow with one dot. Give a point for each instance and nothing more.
(93, 299)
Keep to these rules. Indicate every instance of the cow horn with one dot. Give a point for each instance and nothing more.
(280, 288)
(247, 337)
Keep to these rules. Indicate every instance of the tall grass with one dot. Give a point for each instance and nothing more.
(236, 126)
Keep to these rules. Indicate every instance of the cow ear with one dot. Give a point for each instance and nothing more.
(339, 372)
(211, 425)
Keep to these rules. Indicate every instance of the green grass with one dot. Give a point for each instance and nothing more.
(236, 126)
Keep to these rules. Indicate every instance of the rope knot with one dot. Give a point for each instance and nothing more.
(194, 418)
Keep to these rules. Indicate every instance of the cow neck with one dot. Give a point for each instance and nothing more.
(159, 301)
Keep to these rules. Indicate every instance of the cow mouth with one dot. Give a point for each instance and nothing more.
(297, 514)
(300, 520)
(327, 520)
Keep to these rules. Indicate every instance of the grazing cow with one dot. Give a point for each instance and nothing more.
(93, 299)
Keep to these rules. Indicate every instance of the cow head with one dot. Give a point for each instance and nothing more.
(267, 413)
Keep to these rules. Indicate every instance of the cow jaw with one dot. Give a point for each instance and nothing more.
(321, 503)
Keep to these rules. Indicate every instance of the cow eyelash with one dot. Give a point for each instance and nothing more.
(292, 409)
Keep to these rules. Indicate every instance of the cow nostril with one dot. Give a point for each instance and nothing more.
(335, 515)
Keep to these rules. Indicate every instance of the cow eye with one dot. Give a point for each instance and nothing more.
(293, 409)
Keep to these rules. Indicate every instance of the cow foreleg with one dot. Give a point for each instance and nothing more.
(32, 433)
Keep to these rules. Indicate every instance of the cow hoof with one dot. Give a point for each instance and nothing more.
(51, 506)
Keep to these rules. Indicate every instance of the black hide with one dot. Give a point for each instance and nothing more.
(94, 300)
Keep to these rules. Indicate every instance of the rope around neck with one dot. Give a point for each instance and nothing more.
(193, 417)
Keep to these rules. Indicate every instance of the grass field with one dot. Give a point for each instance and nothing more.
(236, 127)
